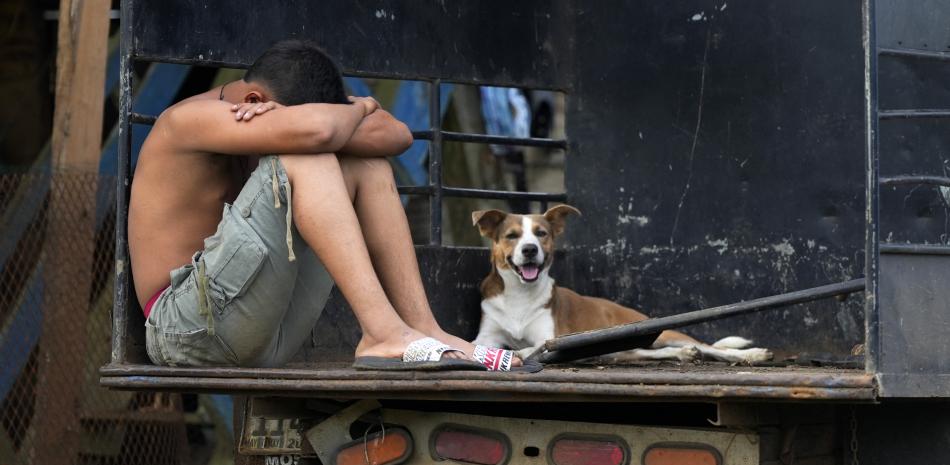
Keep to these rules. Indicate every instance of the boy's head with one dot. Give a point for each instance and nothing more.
(297, 72)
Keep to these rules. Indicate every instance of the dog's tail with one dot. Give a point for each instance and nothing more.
(732, 342)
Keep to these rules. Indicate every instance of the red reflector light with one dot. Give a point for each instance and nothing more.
(686, 454)
(390, 448)
(585, 451)
(469, 446)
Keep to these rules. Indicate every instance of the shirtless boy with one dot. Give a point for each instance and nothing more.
(299, 171)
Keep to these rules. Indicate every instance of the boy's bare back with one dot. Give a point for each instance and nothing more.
(176, 202)
(187, 168)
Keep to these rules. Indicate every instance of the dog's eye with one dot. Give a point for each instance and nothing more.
(541, 233)
(512, 236)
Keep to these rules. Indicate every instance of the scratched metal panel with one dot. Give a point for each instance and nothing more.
(915, 315)
(918, 24)
(717, 153)
(523, 43)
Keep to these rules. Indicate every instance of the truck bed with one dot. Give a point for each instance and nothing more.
(661, 382)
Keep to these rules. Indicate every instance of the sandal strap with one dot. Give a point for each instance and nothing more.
(426, 349)
(493, 358)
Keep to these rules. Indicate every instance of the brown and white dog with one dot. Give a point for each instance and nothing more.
(522, 307)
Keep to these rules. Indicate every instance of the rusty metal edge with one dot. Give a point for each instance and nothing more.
(477, 390)
(639, 375)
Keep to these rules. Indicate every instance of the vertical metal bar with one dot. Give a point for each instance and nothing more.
(435, 162)
(872, 188)
(120, 306)
(544, 206)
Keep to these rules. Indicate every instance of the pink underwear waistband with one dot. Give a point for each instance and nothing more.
(148, 306)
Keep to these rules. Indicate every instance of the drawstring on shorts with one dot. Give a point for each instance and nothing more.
(204, 308)
(275, 185)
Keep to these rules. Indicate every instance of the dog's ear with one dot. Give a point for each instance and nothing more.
(487, 221)
(557, 216)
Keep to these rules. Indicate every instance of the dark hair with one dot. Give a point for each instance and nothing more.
(298, 72)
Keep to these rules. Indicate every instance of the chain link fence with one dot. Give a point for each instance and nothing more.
(56, 293)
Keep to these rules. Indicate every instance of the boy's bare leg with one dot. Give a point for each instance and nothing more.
(386, 231)
(325, 218)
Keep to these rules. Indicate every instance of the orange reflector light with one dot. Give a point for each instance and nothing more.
(686, 454)
(585, 451)
(469, 446)
(390, 448)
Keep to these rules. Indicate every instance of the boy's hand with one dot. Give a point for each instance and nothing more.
(246, 111)
(369, 104)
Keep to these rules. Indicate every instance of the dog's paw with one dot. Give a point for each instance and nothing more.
(756, 355)
(688, 354)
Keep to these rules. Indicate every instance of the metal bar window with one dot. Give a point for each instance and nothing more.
(436, 189)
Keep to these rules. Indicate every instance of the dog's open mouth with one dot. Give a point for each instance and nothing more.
(528, 272)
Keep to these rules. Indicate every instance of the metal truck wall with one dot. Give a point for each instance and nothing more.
(716, 148)
(495, 41)
(718, 155)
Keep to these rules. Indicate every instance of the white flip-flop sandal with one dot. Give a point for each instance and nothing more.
(423, 354)
(500, 360)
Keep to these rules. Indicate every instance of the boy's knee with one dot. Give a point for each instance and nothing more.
(308, 163)
(361, 168)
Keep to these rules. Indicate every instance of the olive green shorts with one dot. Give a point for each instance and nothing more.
(252, 296)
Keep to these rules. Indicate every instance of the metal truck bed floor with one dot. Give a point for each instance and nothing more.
(556, 383)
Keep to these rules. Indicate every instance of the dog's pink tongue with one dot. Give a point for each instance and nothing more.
(529, 271)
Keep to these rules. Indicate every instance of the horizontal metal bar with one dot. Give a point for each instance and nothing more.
(189, 61)
(911, 179)
(138, 118)
(656, 325)
(908, 114)
(502, 195)
(414, 190)
(460, 192)
(915, 249)
(53, 15)
(613, 374)
(494, 390)
(346, 72)
(235, 65)
(911, 53)
(497, 140)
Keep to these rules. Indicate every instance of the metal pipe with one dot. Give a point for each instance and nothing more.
(459, 192)
(872, 227)
(414, 190)
(123, 282)
(497, 140)
(913, 113)
(656, 325)
(915, 249)
(910, 53)
(502, 195)
(138, 118)
(915, 179)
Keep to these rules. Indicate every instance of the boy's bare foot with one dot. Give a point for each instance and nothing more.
(395, 343)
